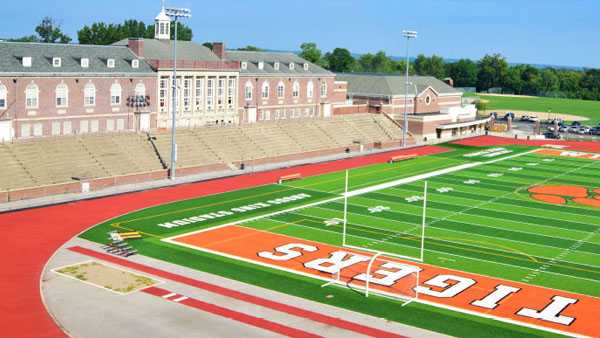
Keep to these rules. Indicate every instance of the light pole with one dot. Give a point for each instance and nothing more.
(175, 14)
(408, 35)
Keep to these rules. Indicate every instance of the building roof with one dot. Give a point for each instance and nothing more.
(163, 50)
(42, 54)
(392, 85)
(252, 60)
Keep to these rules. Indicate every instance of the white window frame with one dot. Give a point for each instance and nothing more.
(244, 65)
(135, 63)
(27, 61)
(55, 128)
(230, 92)
(38, 129)
(210, 94)
(296, 89)
(32, 96)
(116, 92)
(323, 89)
(89, 95)
(3, 96)
(84, 126)
(67, 128)
(305, 66)
(187, 93)
(140, 89)
(85, 63)
(276, 65)
(261, 65)
(280, 90)
(25, 130)
(61, 94)
(266, 88)
(163, 93)
(199, 86)
(110, 63)
(292, 66)
(248, 88)
(56, 62)
(310, 89)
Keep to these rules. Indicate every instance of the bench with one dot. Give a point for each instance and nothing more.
(399, 158)
(290, 177)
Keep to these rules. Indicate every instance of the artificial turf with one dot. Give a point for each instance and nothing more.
(492, 228)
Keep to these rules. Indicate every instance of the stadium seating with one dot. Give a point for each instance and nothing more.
(55, 160)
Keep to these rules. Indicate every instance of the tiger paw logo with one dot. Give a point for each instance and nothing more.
(560, 194)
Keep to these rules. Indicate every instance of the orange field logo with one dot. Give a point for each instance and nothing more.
(560, 194)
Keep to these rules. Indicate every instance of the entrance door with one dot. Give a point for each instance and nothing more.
(6, 131)
(144, 120)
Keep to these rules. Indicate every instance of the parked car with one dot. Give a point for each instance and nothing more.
(595, 131)
(552, 135)
(575, 124)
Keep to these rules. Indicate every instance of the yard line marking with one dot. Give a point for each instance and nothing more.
(167, 296)
(182, 298)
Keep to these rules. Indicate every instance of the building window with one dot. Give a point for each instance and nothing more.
(32, 96)
(135, 63)
(428, 100)
(56, 62)
(25, 130)
(140, 89)
(220, 92)
(310, 88)
(292, 66)
(199, 93)
(55, 128)
(210, 94)
(67, 130)
(187, 94)
(38, 129)
(94, 126)
(163, 92)
(85, 63)
(89, 95)
(110, 63)
(84, 126)
(110, 125)
(115, 94)
(230, 93)
(62, 96)
(323, 89)
(265, 90)
(27, 61)
(3, 95)
(261, 65)
(280, 90)
(276, 65)
(248, 91)
(306, 66)
(120, 124)
(244, 65)
(296, 89)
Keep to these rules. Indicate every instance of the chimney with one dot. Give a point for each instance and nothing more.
(219, 49)
(136, 46)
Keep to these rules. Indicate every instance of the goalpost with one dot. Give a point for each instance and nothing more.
(406, 286)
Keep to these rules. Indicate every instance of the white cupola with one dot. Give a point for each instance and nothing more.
(162, 25)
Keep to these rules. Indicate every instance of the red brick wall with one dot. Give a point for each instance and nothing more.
(47, 112)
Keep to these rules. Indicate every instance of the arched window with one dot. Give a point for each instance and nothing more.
(323, 89)
(296, 89)
(3, 95)
(265, 90)
(280, 89)
(32, 94)
(310, 88)
(89, 95)
(140, 89)
(248, 91)
(62, 96)
(115, 94)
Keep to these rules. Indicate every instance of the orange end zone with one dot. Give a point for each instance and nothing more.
(560, 190)
(590, 202)
(569, 153)
(514, 302)
(549, 199)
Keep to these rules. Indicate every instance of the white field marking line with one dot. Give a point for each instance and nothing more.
(400, 188)
(503, 211)
(169, 295)
(116, 267)
(532, 275)
(431, 250)
(180, 299)
(377, 291)
(407, 180)
(418, 227)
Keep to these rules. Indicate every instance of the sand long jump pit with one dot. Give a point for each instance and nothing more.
(106, 277)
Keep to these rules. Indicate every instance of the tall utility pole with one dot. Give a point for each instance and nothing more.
(408, 35)
(175, 14)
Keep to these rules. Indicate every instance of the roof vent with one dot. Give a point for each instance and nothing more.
(27, 61)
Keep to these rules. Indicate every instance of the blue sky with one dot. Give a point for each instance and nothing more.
(559, 32)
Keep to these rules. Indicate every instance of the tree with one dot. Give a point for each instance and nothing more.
(29, 38)
(590, 84)
(463, 73)
(250, 48)
(208, 45)
(49, 31)
(310, 52)
(430, 66)
(549, 82)
(100, 33)
(492, 71)
(340, 60)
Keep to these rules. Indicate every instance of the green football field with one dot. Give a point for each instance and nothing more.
(479, 219)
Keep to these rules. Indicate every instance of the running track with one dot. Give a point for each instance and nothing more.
(481, 141)
(32, 236)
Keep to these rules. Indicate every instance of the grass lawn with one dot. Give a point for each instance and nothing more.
(491, 227)
(589, 109)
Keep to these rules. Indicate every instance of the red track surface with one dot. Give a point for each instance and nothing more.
(32, 236)
(482, 141)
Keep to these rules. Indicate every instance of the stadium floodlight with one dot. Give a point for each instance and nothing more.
(408, 35)
(175, 14)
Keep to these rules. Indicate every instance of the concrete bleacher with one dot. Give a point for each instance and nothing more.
(57, 160)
